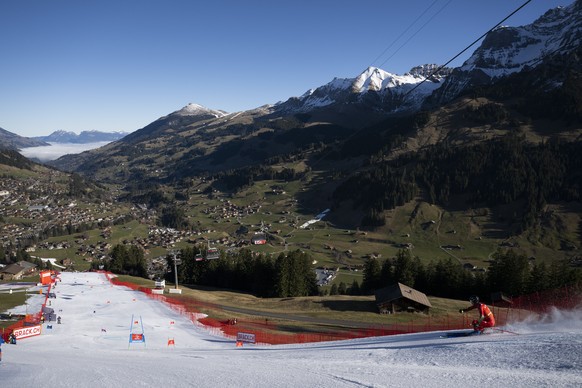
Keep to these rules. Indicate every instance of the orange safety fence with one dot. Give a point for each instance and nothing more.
(268, 332)
(31, 319)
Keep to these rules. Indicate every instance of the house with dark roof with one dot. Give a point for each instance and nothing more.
(25, 264)
(12, 272)
(401, 298)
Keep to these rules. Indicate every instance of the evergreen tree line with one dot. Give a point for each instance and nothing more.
(381, 138)
(494, 173)
(343, 289)
(80, 187)
(235, 180)
(286, 275)
(509, 272)
(174, 217)
(557, 103)
(291, 274)
(8, 257)
(312, 136)
(125, 260)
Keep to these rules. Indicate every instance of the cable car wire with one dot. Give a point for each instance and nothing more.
(466, 48)
(434, 72)
(402, 33)
(417, 31)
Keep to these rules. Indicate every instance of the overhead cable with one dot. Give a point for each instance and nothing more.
(403, 32)
(466, 48)
(417, 31)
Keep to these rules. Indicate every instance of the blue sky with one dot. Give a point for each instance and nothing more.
(117, 65)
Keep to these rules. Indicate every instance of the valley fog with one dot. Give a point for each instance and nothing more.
(56, 150)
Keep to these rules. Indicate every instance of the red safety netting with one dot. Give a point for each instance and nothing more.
(267, 331)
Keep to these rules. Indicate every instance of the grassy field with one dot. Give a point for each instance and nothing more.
(337, 308)
(10, 300)
(7, 301)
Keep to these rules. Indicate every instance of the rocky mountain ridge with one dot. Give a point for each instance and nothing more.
(12, 141)
(197, 140)
(510, 50)
(81, 138)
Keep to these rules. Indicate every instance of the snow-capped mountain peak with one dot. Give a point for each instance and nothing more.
(504, 51)
(376, 79)
(508, 50)
(59, 133)
(372, 83)
(198, 110)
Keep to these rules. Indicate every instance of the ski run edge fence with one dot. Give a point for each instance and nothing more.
(268, 331)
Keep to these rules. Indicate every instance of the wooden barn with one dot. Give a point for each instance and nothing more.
(401, 298)
(12, 272)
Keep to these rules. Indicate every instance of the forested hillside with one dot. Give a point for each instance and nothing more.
(509, 272)
(14, 159)
(488, 174)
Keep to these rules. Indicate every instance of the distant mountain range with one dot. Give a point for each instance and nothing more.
(12, 141)
(82, 138)
(537, 64)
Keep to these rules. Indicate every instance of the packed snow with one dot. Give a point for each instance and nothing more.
(91, 348)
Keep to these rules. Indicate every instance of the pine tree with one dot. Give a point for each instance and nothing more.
(372, 279)
(404, 271)
(282, 275)
(355, 288)
(334, 289)
(386, 274)
(118, 257)
(539, 279)
(509, 273)
(447, 278)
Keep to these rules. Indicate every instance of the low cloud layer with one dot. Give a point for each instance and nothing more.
(56, 150)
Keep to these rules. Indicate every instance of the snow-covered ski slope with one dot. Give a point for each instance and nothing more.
(91, 348)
